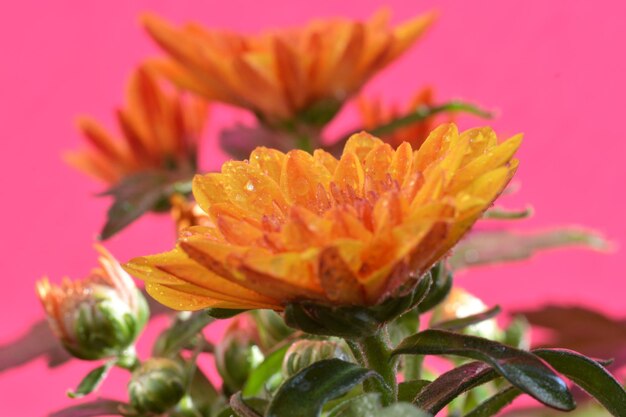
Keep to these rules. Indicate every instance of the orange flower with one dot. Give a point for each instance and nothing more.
(99, 316)
(374, 114)
(285, 73)
(161, 130)
(293, 227)
(187, 213)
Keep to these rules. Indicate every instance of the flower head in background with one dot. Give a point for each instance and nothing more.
(160, 131)
(292, 227)
(98, 317)
(304, 73)
(375, 113)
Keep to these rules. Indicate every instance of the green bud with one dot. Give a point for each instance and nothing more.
(271, 327)
(98, 317)
(157, 385)
(104, 325)
(238, 353)
(305, 352)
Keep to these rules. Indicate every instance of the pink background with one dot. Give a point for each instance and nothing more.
(553, 69)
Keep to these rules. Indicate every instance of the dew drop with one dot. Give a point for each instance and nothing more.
(249, 186)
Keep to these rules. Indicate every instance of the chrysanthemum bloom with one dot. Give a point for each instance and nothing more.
(375, 113)
(298, 227)
(302, 72)
(98, 317)
(160, 131)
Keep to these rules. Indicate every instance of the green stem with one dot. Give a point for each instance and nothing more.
(128, 359)
(412, 369)
(303, 142)
(373, 352)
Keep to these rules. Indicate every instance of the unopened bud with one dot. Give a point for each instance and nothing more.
(460, 304)
(157, 385)
(271, 327)
(306, 352)
(98, 317)
(238, 353)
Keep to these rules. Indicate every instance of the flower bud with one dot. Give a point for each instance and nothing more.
(271, 327)
(98, 317)
(460, 304)
(237, 354)
(306, 352)
(157, 385)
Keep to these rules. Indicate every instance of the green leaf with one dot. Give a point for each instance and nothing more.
(180, 334)
(496, 403)
(439, 393)
(139, 193)
(498, 213)
(92, 380)
(583, 330)
(203, 394)
(99, 407)
(589, 375)
(441, 285)
(401, 410)
(305, 393)
(522, 369)
(461, 323)
(264, 373)
(407, 390)
(414, 116)
(362, 405)
(489, 247)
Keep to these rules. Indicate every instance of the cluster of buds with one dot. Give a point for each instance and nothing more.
(98, 317)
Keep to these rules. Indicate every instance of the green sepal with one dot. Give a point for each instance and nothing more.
(222, 313)
(439, 290)
(305, 393)
(353, 322)
(267, 373)
(408, 390)
(522, 369)
(588, 374)
(92, 380)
